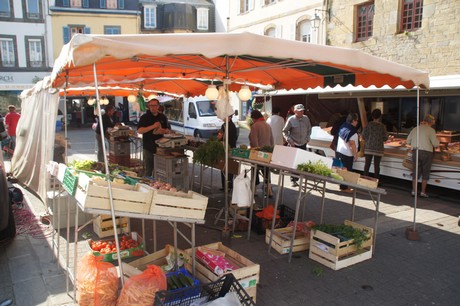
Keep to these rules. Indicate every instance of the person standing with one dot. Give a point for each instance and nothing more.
(232, 138)
(296, 132)
(276, 123)
(11, 122)
(374, 134)
(152, 125)
(347, 144)
(107, 122)
(261, 136)
(427, 141)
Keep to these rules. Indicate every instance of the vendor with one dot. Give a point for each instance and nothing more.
(152, 125)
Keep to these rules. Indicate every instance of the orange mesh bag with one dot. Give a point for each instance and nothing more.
(140, 289)
(97, 282)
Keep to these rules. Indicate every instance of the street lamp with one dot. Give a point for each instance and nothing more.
(316, 21)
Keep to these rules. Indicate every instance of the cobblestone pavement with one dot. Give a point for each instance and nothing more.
(401, 271)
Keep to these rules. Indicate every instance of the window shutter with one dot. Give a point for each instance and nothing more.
(66, 33)
(86, 30)
(121, 4)
(66, 3)
(103, 4)
(292, 34)
(251, 5)
(279, 31)
(85, 3)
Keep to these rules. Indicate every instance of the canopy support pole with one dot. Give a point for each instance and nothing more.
(226, 230)
(107, 173)
(411, 233)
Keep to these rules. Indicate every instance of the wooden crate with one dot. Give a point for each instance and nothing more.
(281, 240)
(190, 205)
(348, 176)
(329, 251)
(134, 198)
(247, 275)
(367, 181)
(103, 226)
(265, 157)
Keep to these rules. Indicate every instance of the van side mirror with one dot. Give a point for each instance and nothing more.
(236, 112)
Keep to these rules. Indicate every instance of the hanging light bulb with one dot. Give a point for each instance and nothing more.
(245, 93)
(104, 101)
(91, 101)
(212, 93)
(132, 98)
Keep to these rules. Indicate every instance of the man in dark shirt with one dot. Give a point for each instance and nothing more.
(232, 138)
(107, 122)
(152, 125)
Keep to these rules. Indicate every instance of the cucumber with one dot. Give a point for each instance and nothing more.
(176, 281)
(187, 281)
(171, 285)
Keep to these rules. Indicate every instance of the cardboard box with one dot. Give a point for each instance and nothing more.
(127, 253)
(290, 157)
(103, 226)
(348, 176)
(233, 166)
(367, 181)
(335, 254)
(238, 152)
(134, 198)
(281, 240)
(265, 157)
(247, 274)
(189, 205)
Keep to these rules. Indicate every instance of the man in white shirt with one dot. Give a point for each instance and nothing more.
(276, 122)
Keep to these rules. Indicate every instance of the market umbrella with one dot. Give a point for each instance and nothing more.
(93, 60)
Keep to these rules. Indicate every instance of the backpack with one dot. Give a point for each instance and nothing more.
(16, 195)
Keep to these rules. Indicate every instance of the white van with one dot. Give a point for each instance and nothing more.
(195, 116)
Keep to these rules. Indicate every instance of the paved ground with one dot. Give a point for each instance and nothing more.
(401, 272)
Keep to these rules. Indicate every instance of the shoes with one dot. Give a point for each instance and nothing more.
(294, 184)
(348, 190)
(413, 193)
(423, 195)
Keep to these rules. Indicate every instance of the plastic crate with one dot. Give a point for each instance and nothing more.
(180, 182)
(238, 152)
(211, 291)
(170, 165)
(189, 293)
(259, 225)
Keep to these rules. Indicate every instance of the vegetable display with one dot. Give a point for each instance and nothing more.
(109, 246)
(344, 232)
(319, 167)
(210, 152)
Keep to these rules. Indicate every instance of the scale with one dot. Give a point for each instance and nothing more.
(172, 140)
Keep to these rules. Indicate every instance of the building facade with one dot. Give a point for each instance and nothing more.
(25, 56)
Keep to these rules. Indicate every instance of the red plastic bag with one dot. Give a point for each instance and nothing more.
(140, 289)
(268, 213)
(97, 282)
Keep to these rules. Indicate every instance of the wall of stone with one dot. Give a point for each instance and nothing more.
(434, 48)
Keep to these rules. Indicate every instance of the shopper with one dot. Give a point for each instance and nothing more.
(347, 144)
(296, 132)
(261, 136)
(427, 141)
(152, 125)
(276, 122)
(11, 122)
(374, 135)
(232, 138)
(107, 122)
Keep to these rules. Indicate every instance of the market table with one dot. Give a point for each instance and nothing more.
(318, 183)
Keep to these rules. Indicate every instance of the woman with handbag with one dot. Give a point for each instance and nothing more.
(374, 134)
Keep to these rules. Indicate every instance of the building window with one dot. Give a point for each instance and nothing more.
(7, 52)
(5, 9)
(35, 53)
(71, 30)
(112, 30)
(365, 21)
(246, 6)
(411, 15)
(150, 17)
(303, 31)
(75, 3)
(202, 19)
(271, 32)
(267, 2)
(32, 9)
(111, 4)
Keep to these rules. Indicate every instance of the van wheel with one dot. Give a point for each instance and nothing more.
(197, 134)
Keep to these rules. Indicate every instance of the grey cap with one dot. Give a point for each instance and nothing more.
(299, 107)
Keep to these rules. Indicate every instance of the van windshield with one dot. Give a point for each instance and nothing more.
(206, 108)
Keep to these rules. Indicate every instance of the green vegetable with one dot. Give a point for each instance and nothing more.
(336, 176)
(344, 232)
(268, 149)
(209, 153)
(319, 167)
